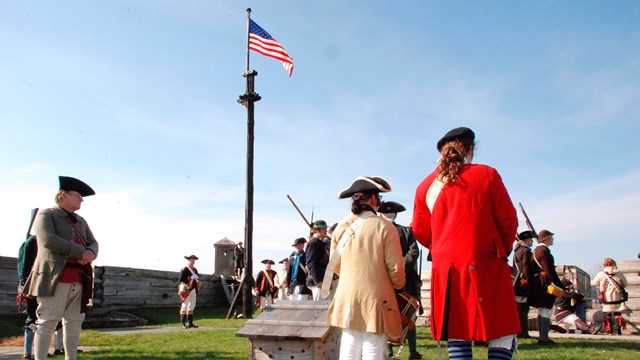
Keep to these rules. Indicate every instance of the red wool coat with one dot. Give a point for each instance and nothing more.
(469, 234)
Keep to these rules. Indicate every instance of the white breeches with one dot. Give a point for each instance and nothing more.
(545, 313)
(315, 292)
(65, 305)
(358, 345)
(189, 304)
(265, 301)
(569, 322)
(282, 293)
(295, 295)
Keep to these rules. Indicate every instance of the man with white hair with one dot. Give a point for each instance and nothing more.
(63, 291)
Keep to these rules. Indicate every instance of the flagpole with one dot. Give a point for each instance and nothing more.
(248, 32)
(248, 99)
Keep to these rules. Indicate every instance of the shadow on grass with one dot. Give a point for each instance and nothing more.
(111, 355)
(585, 344)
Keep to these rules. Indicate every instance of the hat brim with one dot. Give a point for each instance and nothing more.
(389, 207)
(366, 184)
(68, 183)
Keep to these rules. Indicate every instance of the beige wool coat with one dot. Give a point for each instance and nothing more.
(611, 293)
(370, 268)
(55, 246)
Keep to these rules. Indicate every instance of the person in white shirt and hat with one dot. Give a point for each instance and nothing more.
(188, 291)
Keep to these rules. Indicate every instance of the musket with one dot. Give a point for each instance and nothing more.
(299, 212)
(526, 218)
(311, 225)
(34, 213)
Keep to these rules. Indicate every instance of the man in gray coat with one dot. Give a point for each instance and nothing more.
(61, 274)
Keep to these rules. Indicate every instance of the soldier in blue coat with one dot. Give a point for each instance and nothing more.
(297, 272)
(317, 256)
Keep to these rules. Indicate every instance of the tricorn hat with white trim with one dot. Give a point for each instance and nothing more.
(366, 184)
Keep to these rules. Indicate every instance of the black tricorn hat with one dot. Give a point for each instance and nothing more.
(528, 234)
(68, 183)
(191, 257)
(366, 184)
(283, 261)
(319, 224)
(268, 261)
(464, 134)
(389, 207)
(299, 241)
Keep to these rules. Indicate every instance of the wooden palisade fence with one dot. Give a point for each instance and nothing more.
(629, 268)
(121, 288)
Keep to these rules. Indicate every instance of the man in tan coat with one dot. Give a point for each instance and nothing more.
(62, 274)
(370, 268)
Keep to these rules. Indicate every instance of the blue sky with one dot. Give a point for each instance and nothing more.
(139, 99)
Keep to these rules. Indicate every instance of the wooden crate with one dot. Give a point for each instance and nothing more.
(293, 330)
(580, 280)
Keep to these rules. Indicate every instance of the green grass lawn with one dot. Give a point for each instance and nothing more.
(218, 341)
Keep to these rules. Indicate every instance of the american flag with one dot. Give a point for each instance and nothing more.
(261, 42)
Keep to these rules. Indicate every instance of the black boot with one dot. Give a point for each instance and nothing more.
(183, 320)
(544, 326)
(523, 315)
(191, 324)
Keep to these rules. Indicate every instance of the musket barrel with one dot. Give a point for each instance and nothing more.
(526, 219)
(298, 210)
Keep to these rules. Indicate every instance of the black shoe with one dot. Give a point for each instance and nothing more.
(415, 356)
(547, 342)
(558, 328)
(192, 325)
(56, 352)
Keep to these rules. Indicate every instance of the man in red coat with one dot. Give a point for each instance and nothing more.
(465, 217)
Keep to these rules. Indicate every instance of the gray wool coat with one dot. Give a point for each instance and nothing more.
(55, 245)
